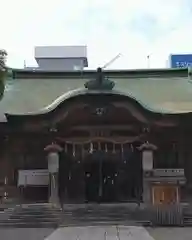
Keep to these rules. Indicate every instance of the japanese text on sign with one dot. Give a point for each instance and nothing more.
(183, 64)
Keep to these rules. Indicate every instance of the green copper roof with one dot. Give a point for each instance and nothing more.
(166, 91)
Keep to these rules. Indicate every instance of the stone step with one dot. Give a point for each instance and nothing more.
(73, 216)
(28, 225)
(30, 220)
(38, 214)
(36, 210)
(97, 214)
(38, 218)
(23, 206)
(95, 217)
(35, 216)
(32, 216)
(95, 223)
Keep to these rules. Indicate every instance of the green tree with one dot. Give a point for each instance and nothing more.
(3, 71)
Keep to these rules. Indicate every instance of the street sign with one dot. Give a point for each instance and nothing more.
(180, 60)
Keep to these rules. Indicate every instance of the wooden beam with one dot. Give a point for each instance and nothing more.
(106, 127)
(117, 140)
(132, 110)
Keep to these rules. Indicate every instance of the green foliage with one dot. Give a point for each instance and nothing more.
(3, 71)
(3, 58)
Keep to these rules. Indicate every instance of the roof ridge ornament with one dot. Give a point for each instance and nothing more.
(100, 82)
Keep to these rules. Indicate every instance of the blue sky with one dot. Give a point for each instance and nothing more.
(133, 28)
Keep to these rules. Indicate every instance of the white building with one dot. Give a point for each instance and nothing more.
(61, 58)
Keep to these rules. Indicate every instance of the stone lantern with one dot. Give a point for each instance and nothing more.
(53, 168)
(147, 165)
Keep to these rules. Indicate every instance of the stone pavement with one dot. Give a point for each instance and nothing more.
(105, 233)
(25, 233)
(171, 233)
(101, 233)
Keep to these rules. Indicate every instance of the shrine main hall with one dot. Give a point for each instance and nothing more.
(97, 136)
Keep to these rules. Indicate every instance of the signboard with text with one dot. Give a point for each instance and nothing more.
(36, 177)
(180, 60)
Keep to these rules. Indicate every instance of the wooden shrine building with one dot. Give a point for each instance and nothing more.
(93, 136)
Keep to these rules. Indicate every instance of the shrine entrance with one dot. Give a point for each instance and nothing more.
(101, 161)
(102, 177)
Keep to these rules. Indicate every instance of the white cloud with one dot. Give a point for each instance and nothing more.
(134, 28)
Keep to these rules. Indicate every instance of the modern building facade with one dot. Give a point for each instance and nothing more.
(94, 136)
(60, 58)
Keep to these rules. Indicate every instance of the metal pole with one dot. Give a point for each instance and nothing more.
(112, 60)
(148, 61)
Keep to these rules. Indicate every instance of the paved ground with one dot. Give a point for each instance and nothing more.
(184, 233)
(101, 233)
(25, 233)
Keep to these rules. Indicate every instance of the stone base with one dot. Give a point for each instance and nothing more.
(54, 201)
(146, 192)
(54, 195)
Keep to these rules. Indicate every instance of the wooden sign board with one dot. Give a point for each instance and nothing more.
(163, 194)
